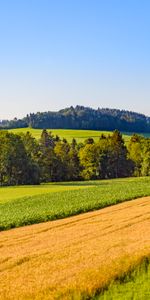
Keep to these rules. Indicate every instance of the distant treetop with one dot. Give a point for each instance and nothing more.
(81, 117)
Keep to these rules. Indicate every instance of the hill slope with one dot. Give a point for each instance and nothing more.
(81, 117)
(73, 256)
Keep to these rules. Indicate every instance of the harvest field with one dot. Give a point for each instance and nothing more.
(76, 257)
(24, 205)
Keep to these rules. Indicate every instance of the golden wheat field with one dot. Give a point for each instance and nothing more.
(69, 258)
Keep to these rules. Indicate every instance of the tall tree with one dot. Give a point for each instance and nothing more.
(14, 163)
(47, 156)
(74, 162)
(62, 150)
(89, 159)
(135, 153)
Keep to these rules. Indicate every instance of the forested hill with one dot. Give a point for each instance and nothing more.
(81, 117)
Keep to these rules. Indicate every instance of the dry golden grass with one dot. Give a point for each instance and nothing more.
(68, 258)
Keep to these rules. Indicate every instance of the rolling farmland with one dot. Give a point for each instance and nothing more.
(69, 258)
(75, 257)
(27, 205)
(75, 150)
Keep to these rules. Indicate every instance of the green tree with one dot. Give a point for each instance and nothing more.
(135, 149)
(89, 159)
(14, 163)
(145, 169)
(33, 152)
(62, 150)
(74, 162)
(47, 157)
(113, 157)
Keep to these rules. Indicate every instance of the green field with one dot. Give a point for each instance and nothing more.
(135, 285)
(34, 204)
(79, 135)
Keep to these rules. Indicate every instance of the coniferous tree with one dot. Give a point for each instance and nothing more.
(47, 156)
(74, 162)
(14, 163)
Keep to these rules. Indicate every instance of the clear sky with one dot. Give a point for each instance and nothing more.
(58, 53)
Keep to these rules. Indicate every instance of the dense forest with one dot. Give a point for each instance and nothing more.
(83, 118)
(25, 160)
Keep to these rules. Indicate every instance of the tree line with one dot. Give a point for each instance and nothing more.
(25, 160)
(81, 117)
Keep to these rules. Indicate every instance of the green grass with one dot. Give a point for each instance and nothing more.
(69, 134)
(133, 286)
(79, 135)
(34, 204)
(12, 193)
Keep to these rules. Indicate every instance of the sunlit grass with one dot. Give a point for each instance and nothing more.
(69, 134)
(79, 135)
(14, 192)
(134, 285)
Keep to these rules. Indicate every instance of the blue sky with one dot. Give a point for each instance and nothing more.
(59, 53)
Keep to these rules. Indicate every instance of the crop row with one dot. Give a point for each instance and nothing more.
(28, 210)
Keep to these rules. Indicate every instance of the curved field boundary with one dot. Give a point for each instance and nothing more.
(133, 285)
(57, 201)
(74, 257)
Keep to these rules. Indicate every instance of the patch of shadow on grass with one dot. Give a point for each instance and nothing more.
(129, 275)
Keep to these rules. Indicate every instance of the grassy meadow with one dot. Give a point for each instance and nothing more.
(24, 205)
(69, 134)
